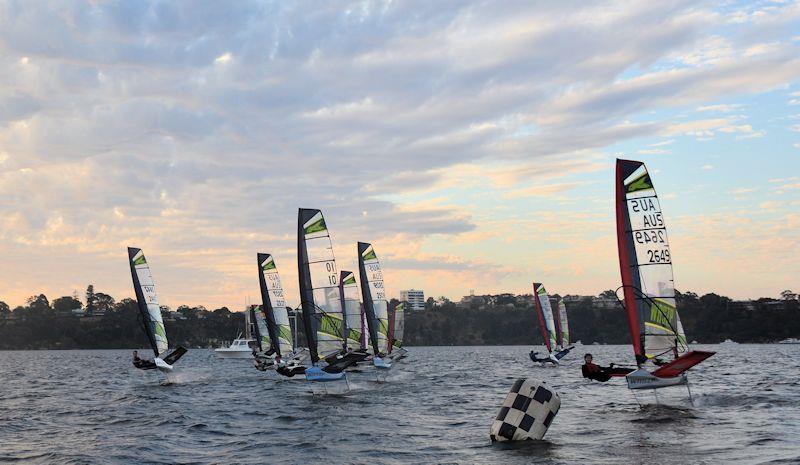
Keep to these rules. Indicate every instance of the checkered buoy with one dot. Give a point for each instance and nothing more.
(526, 413)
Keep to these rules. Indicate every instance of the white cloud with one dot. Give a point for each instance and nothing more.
(197, 130)
(721, 108)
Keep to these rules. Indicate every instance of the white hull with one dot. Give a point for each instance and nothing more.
(162, 366)
(643, 379)
(238, 354)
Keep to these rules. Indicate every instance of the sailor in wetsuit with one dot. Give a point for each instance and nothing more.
(140, 363)
(598, 373)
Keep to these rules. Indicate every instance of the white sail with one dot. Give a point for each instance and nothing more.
(147, 299)
(399, 325)
(277, 301)
(263, 339)
(375, 298)
(563, 323)
(545, 313)
(324, 279)
(352, 309)
(647, 266)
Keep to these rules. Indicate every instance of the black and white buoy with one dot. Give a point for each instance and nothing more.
(526, 413)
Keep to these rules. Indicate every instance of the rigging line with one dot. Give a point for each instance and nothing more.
(641, 295)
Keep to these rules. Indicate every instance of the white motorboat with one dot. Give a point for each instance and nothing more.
(239, 348)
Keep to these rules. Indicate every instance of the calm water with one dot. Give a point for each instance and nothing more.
(93, 407)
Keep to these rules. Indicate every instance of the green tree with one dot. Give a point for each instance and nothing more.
(39, 304)
(5, 311)
(187, 311)
(103, 303)
(609, 294)
(222, 312)
(66, 304)
(90, 300)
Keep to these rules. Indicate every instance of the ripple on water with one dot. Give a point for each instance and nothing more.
(92, 407)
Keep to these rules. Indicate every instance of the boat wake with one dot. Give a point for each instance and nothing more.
(188, 376)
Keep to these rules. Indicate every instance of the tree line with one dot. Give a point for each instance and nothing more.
(491, 320)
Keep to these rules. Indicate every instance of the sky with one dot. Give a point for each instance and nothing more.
(473, 143)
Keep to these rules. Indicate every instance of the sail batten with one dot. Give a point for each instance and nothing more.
(646, 266)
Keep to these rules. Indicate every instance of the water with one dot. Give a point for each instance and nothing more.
(93, 407)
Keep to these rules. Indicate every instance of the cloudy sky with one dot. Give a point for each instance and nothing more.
(472, 143)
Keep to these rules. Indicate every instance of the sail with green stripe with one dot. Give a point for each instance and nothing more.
(274, 305)
(319, 285)
(544, 313)
(148, 302)
(646, 266)
(351, 302)
(374, 296)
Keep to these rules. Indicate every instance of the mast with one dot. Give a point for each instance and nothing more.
(623, 249)
(646, 266)
(390, 334)
(146, 299)
(373, 295)
(557, 317)
(306, 290)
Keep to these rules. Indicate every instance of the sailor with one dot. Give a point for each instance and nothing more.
(596, 372)
(140, 363)
(550, 358)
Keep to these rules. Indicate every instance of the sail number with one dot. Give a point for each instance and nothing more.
(653, 236)
(658, 256)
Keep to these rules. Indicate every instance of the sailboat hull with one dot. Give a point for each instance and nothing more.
(163, 366)
(643, 379)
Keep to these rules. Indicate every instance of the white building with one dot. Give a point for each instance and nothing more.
(414, 297)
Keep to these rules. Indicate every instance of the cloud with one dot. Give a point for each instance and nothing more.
(721, 108)
(704, 129)
(195, 131)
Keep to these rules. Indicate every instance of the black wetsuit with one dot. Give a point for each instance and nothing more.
(602, 374)
(143, 364)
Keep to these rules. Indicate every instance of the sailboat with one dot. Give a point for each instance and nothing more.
(151, 315)
(321, 303)
(276, 344)
(375, 304)
(544, 313)
(261, 351)
(397, 327)
(659, 342)
(353, 321)
(562, 328)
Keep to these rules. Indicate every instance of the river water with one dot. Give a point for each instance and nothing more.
(94, 407)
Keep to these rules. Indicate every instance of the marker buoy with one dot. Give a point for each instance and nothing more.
(526, 413)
